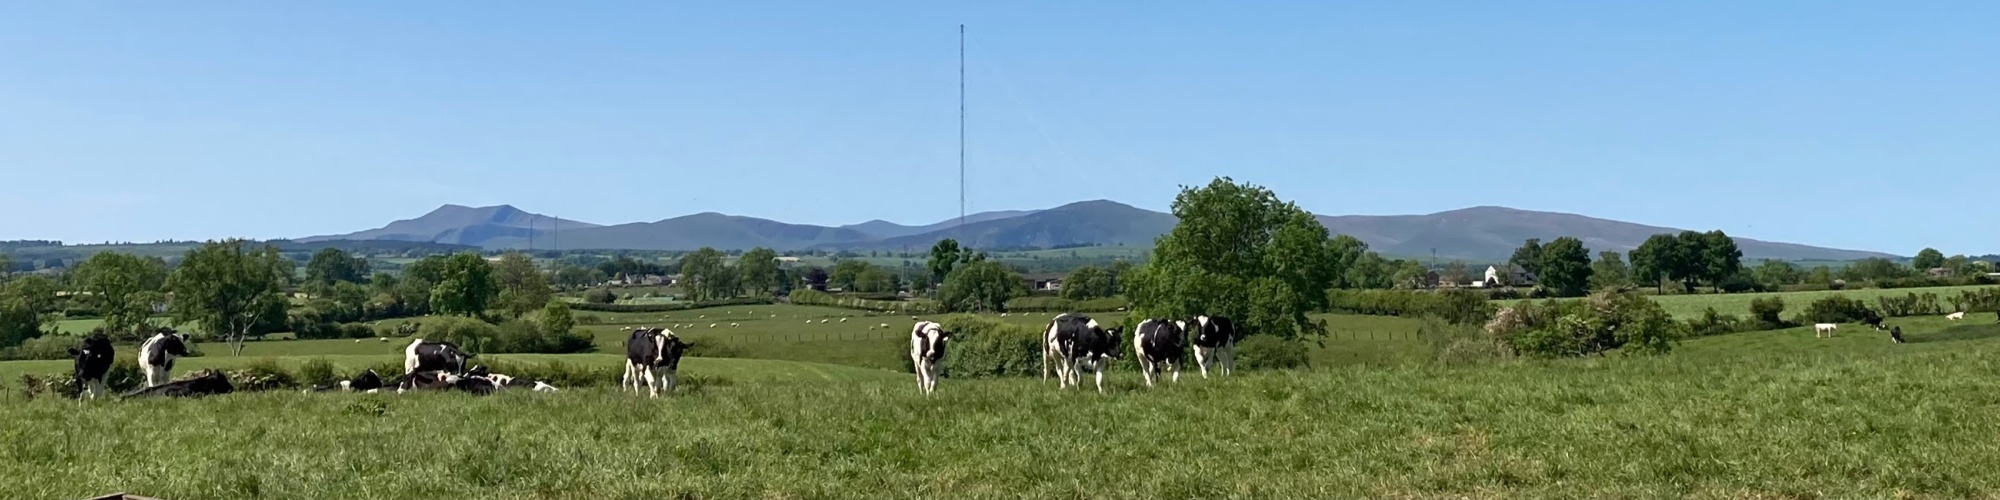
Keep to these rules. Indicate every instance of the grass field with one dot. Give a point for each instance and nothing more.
(1691, 306)
(1776, 414)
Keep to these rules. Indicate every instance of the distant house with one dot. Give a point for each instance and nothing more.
(1042, 282)
(788, 259)
(1515, 276)
(1940, 272)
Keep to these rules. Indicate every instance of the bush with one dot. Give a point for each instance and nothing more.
(1739, 283)
(519, 336)
(589, 319)
(1062, 305)
(471, 334)
(809, 297)
(123, 377)
(50, 347)
(317, 371)
(1767, 312)
(599, 296)
(357, 331)
(1836, 309)
(983, 347)
(669, 306)
(1454, 344)
(1268, 352)
(262, 375)
(1607, 320)
(1713, 323)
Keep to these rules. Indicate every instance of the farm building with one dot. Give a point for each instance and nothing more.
(1515, 276)
(1042, 282)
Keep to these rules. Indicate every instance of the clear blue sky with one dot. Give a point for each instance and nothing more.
(1872, 125)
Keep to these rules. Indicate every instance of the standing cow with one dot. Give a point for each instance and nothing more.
(1080, 342)
(157, 354)
(93, 359)
(653, 357)
(1160, 343)
(1214, 342)
(927, 341)
(427, 356)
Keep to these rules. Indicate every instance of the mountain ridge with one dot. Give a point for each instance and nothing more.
(1480, 233)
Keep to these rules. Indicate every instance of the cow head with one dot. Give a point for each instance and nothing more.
(1208, 331)
(1116, 335)
(934, 339)
(171, 342)
(671, 350)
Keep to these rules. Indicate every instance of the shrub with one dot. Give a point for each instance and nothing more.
(317, 371)
(357, 331)
(589, 319)
(1454, 344)
(599, 296)
(519, 336)
(1739, 283)
(471, 334)
(262, 375)
(1836, 309)
(1713, 323)
(983, 347)
(385, 330)
(1984, 299)
(1267, 352)
(48, 347)
(1607, 320)
(1767, 312)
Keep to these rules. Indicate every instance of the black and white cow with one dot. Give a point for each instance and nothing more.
(426, 356)
(157, 353)
(1214, 342)
(927, 343)
(653, 358)
(1158, 344)
(1896, 334)
(203, 383)
(431, 380)
(511, 382)
(367, 381)
(93, 360)
(1081, 342)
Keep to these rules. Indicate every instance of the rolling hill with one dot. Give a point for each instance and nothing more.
(1476, 234)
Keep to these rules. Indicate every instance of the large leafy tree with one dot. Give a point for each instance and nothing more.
(124, 288)
(945, 256)
(1609, 271)
(1720, 259)
(702, 274)
(1240, 252)
(1773, 272)
(465, 286)
(876, 279)
(333, 265)
(1349, 260)
(1565, 267)
(523, 288)
(980, 286)
(1927, 259)
(758, 270)
(847, 273)
(1087, 282)
(228, 290)
(1528, 257)
(25, 304)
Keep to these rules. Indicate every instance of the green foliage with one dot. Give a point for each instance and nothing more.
(228, 290)
(1910, 304)
(810, 297)
(979, 286)
(1714, 323)
(333, 265)
(123, 287)
(1565, 267)
(1768, 311)
(1529, 256)
(1239, 251)
(1455, 344)
(758, 270)
(1927, 259)
(24, 304)
(465, 286)
(1267, 352)
(1464, 307)
(982, 347)
(263, 374)
(556, 318)
(945, 256)
(521, 336)
(317, 372)
(599, 296)
(40, 348)
(1720, 259)
(669, 306)
(523, 288)
(1774, 273)
(1875, 269)
(705, 277)
(1609, 271)
(471, 334)
(1605, 321)
(1836, 309)
(1087, 282)
(1061, 305)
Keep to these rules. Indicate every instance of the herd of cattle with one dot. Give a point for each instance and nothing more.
(426, 366)
(1073, 343)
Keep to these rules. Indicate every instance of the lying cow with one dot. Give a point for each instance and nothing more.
(1821, 330)
(93, 359)
(157, 354)
(367, 381)
(1214, 342)
(653, 357)
(927, 342)
(203, 383)
(1955, 316)
(427, 356)
(1081, 342)
(1158, 344)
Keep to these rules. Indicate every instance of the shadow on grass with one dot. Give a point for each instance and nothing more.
(1958, 333)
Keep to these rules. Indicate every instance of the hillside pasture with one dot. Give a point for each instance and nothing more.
(1736, 416)
(1692, 305)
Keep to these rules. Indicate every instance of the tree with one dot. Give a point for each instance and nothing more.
(1927, 259)
(980, 286)
(1775, 273)
(24, 306)
(1529, 257)
(1655, 259)
(816, 279)
(1720, 259)
(1874, 269)
(333, 265)
(1119, 270)
(228, 290)
(575, 276)
(847, 274)
(124, 288)
(758, 270)
(945, 256)
(1087, 282)
(1239, 251)
(1369, 271)
(556, 318)
(1609, 271)
(875, 279)
(1822, 275)
(1456, 273)
(702, 274)
(1347, 252)
(1565, 267)
(1410, 274)
(523, 289)
(465, 286)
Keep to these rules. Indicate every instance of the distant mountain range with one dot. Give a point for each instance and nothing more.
(1477, 234)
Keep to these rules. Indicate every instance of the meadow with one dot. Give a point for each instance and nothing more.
(1691, 306)
(1776, 414)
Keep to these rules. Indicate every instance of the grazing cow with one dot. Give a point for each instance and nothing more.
(156, 355)
(1160, 343)
(1896, 334)
(653, 357)
(927, 342)
(93, 360)
(203, 383)
(1079, 342)
(1214, 342)
(1955, 316)
(1824, 329)
(427, 356)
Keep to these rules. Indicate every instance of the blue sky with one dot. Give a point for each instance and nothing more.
(1870, 125)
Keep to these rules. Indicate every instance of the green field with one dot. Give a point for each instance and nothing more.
(1776, 414)
(1691, 306)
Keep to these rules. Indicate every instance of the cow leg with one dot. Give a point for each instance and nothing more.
(1201, 360)
(1146, 370)
(1099, 366)
(1228, 355)
(670, 380)
(920, 375)
(652, 387)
